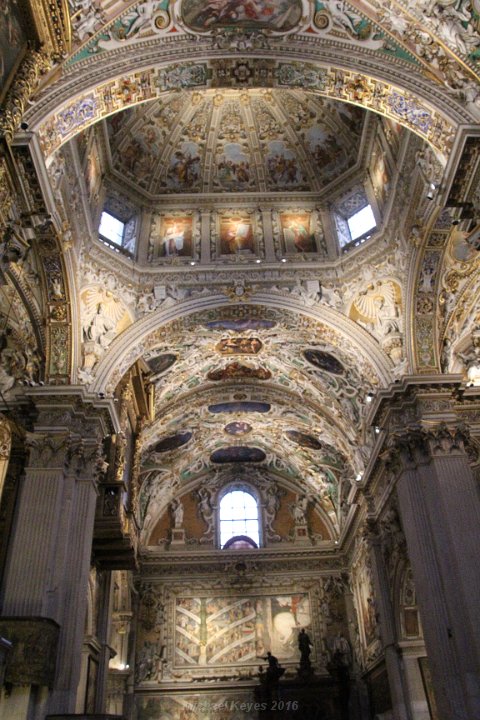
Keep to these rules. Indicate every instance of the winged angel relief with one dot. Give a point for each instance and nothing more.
(377, 308)
(103, 317)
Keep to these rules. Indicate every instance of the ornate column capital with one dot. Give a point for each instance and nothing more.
(406, 448)
(445, 439)
(418, 444)
(68, 436)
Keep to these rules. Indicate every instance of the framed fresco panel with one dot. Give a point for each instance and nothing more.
(296, 234)
(236, 235)
(175, 237)
(237, 630)
(277, 16)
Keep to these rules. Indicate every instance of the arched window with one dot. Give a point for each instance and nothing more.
(238, 520)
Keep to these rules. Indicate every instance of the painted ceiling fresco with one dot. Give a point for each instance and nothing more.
(442, 37)
(296, 408)
(233, 141)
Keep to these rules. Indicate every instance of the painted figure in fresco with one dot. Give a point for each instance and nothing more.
(237, 237)
(172, 241)
(283, 170)
(296, 233)
(239, 346)
(184, 168)
(277, 14)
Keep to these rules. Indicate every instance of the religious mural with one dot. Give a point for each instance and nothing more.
(365, 597)
(233, 168)
(229, 631)
(173, 442)
(160, 363)
(324, 361)
(237, 454)
(283, 169)
(273, 15)
(238, 427)
(304, 440)
(240, 406)
(296, 233)
(145, 145)
(326, 150)
(239, 346)
(236, 235)
(237, 370)
(381, 176)
(175, 237)
(184, 169)
(224, 705)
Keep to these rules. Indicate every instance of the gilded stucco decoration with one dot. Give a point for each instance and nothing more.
(378, 308)
(368, 646)
(444, 48)
(447, 270)
(200, 412)
(21, 353)
(34, 284)
(103, 317)
(328, 82)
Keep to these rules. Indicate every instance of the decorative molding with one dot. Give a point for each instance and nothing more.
(72, 115)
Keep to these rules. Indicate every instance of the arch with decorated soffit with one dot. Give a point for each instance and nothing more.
(143, 335)
(95, 89)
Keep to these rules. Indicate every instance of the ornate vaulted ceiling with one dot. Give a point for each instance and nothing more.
(254, 392)
(209, 115)
(235, 141)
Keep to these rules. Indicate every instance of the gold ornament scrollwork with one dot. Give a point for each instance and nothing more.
(5, 439)
(34, 65)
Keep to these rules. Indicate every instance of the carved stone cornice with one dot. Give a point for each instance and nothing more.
(420, 418)
(416, 445)
(292, 562)
(34, 65)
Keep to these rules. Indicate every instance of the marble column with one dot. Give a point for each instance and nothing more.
(440, 511)
(54, 522)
